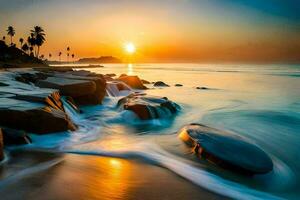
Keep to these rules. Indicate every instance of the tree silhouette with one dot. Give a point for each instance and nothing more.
(25, 47)
(68, 54)
(59, 55)
(21, 40)
(39, 38)
(50, 55)
(31, 50)
(11, 32)
(73, 56)
(3, 38)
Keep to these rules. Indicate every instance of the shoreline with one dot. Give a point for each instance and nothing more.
(97, 177)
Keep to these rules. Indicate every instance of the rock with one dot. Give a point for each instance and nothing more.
(133, 81)
(84, 90)
(117, 88)
(145, 81)
(33, 117)
(178, 85)
(15, 137)
(149, 107)
(93, 98)
(226, 150)
(122, 75)
(202, 88)
(49, 97)
(31, 77)
(160, 84)
(68, 87)
(1, 146)
(111, 75)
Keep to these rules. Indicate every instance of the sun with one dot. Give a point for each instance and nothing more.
(130, 48)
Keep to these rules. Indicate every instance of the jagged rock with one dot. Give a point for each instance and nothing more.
(15, 137)
(33, 117)
(30, 77)
(160, 84)
(133, 81)
(226, 149)
(149, 107)
(93, 98)
(178, 85)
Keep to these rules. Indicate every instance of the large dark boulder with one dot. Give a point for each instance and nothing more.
(149, 107)
(33, 117)
(133, 81)
(15, 137)
(160, 84)
(226, 149)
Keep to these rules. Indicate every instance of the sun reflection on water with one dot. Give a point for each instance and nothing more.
(130, 69)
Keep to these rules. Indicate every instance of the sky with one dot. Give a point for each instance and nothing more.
(254, 31)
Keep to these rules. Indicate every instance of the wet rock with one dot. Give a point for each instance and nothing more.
(226, 150)
(92, 98)
(178, 85)
(149, 107)
(32, 77)
(15, 137)
(1, 146)
(33, 117)
(160, 84)
(145, 81)
(133, 81)
(117, 88)
(111, 75)
(202, 88)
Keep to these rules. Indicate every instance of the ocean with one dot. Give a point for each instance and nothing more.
(260, 103)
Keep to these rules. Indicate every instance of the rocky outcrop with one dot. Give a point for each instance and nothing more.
(117, 88)
(133, 81)
(15, 137)
(226, 149)
(149, 107)
(33, 117)
(85, 87)
(160, 84)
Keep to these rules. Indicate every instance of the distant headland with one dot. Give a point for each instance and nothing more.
(102, 59)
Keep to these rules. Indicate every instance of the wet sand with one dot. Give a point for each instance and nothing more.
(93, 177)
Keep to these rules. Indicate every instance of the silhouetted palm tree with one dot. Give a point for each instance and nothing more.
(31, 42)
(3, 38)
(59, 55)
(11, 32)
(31, 50)
(21, 40)
(42, 57)
(50, 55)
(73, 56)
(68, 54)
(25, 48)
(39, 37)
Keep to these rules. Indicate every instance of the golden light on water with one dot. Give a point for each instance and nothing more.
(130, 69)
(130, 48)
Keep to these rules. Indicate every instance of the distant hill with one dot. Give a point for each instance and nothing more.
(102, 59)
(11, 57)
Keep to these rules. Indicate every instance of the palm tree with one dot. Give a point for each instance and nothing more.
(3, 38)
(31, 50)
(11, 32)
(31, 42)
(73, 56)
(68, 54)
(50, 55)
(59, 55)
(25, 47)
(21, 40)
(39, 37)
